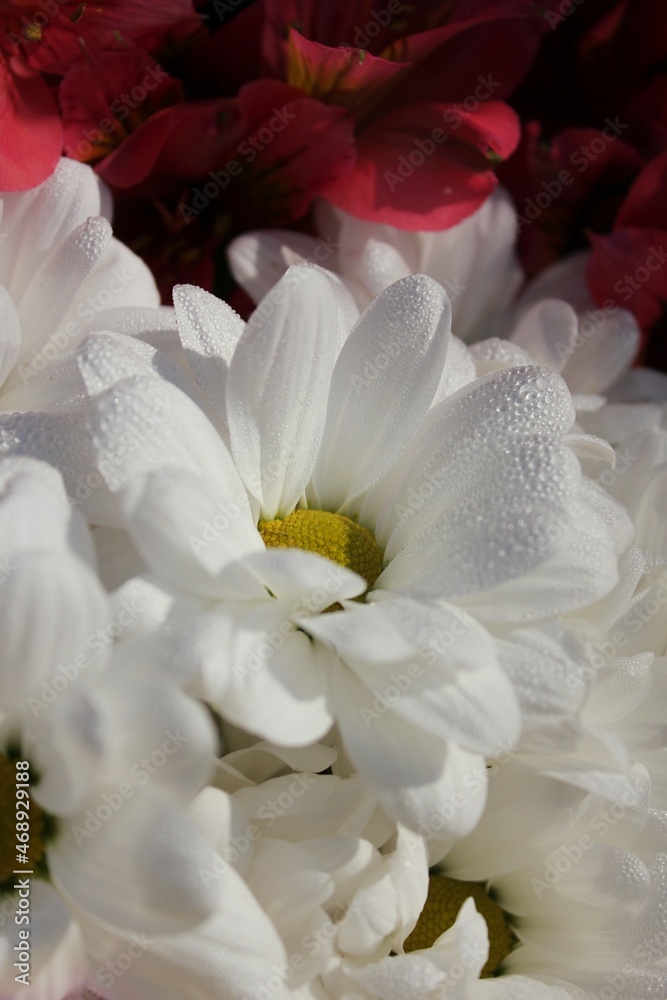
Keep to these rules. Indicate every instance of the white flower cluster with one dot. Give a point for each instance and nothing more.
(333, 660)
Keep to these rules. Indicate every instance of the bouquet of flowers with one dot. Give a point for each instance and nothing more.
(333, 496)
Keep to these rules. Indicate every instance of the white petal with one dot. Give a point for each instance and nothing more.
(189, 533)
(42, 218)
(546, 332)
(209, 330)
(120, 279)
(264, 760)
(376, 255)
(136, 869)
(430, 972)
(57, 955)
(564, 280)
(467, 442)
(10, 334)
(156, 326)
(266, 676)
(519, 799)
(34, 510)
(383, 383)
(278, 385)
(546, 671)
(459, 370)
(608, 349)
(53, 287)
(434, 667)
(259, 260)
(476, 263)
(417, 777)
(317, 805)
(305, 582)
(51, 606)
(143, 424)
(107, 358)
(234, 954)
(62, 441)
(494, 354)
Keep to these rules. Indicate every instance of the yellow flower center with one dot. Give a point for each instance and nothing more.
(16, 831)
(331, 535)
(445, 898)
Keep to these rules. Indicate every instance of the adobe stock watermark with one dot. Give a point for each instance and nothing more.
(309, 604)
(96, 643)
(378, 19)
(474, 782)
(454, 117)
(34, 23)
(610, 645)
(112, 970)
(268, 813)
(402, 680)
(246, 152)
(565, 9)
(580, 159)
(311, 944)
(66, 338)
(139, 774)
(561, 861)
(215, 527)
(121, 108)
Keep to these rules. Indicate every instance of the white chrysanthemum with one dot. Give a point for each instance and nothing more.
(557, 322)
(433, 520)
(581, 881)
(311, 865)
(554, 323)
(61, 275)
(115, 753)
(474, 261)
(60, 268)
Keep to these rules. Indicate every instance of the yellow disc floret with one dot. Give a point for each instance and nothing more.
(445, 898)
(13, 832)
(332, 535)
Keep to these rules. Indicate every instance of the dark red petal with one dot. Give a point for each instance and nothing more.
(428, 166)
(630, 268)
(646, 202)
(31, 135)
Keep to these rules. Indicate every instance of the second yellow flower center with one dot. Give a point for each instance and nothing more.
(445, 898)
(331, 535)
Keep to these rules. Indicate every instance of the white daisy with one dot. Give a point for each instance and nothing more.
(433, 518)
(62, 273)
(554, 322)
(108, 752)
(60, 267)
(474, 261)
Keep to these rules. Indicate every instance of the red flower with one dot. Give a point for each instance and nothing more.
(407, 130)
(421, 161)
(564, 188)
(46, 36)
(629, 265)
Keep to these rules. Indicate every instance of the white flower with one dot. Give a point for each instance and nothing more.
(450, 515)
(474, 261)
(581, 882)
(554, 323)
(61, 275)
(114, 752)
(557, 322)
(59, 268)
